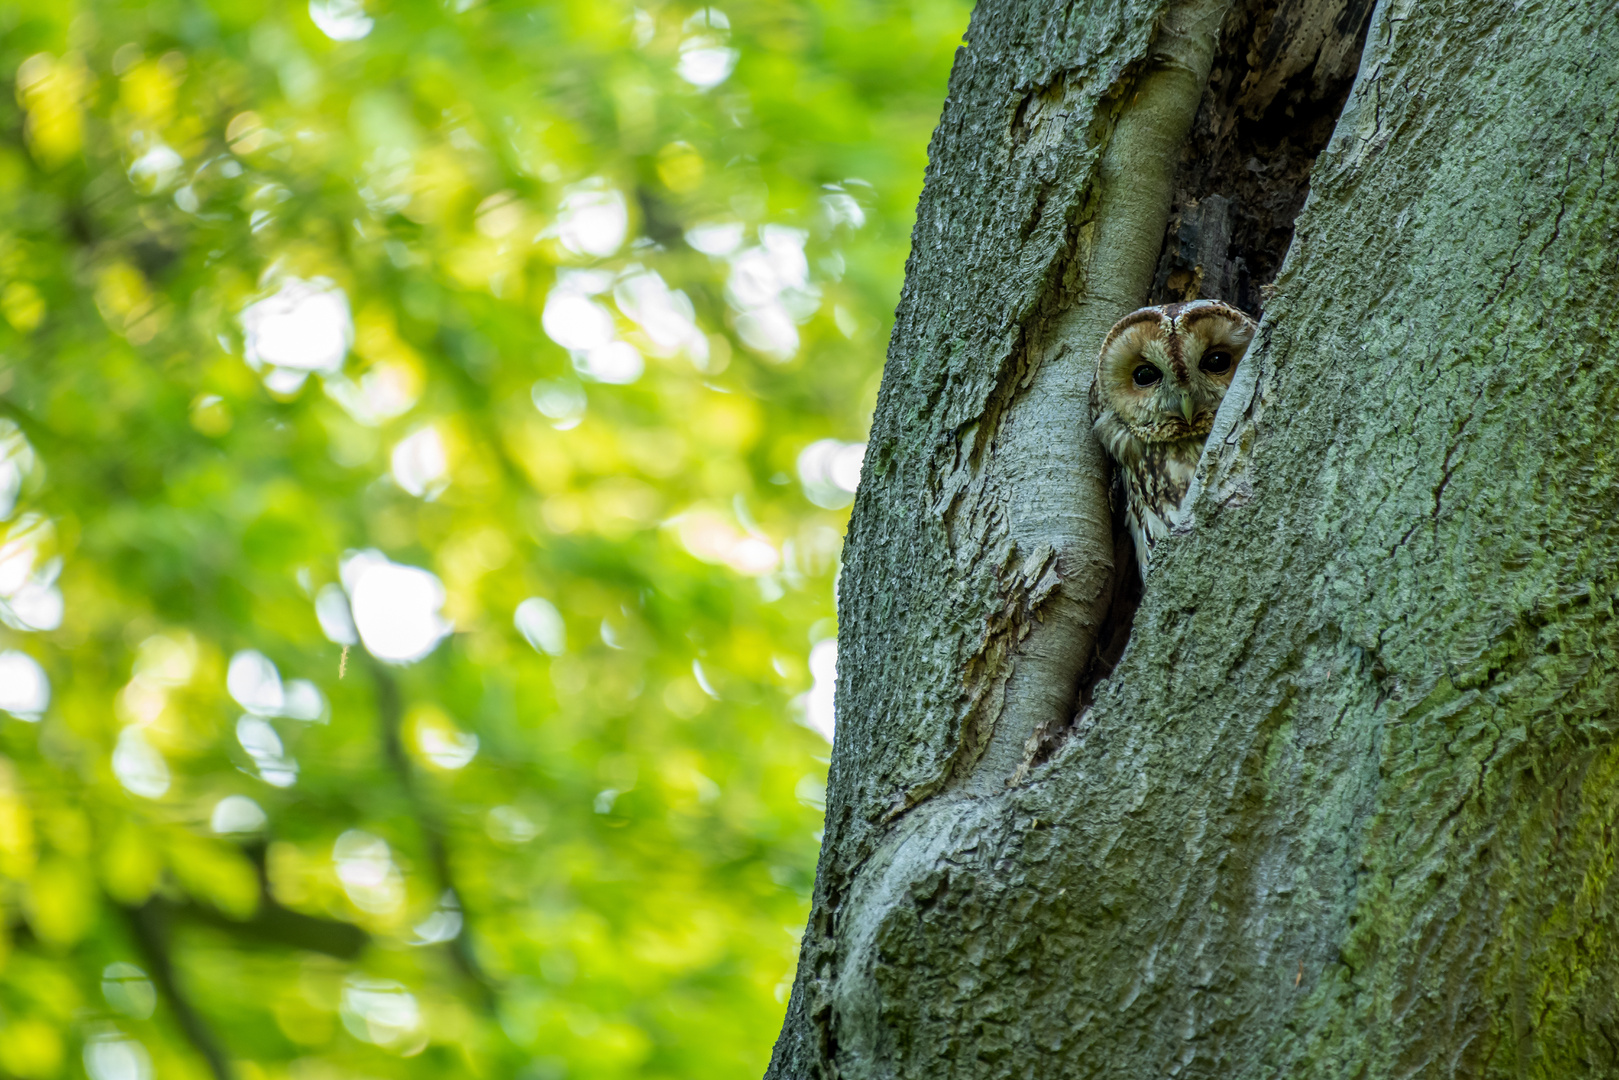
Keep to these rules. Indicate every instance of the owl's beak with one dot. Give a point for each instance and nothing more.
(1188, 408)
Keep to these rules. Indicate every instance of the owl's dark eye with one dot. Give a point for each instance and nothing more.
(1146, 375)
(1216, 362)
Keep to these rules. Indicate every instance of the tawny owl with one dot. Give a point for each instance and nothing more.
(1159, 380)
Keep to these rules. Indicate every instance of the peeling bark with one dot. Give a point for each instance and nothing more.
(1347, 804)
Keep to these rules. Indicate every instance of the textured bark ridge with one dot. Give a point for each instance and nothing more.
(1347, 805)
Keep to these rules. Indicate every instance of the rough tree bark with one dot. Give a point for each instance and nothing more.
(1346, 806)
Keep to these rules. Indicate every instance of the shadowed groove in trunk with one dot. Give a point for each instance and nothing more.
(1280, 78)
(1278, 86)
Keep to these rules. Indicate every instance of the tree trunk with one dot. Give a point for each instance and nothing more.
(1346, 806)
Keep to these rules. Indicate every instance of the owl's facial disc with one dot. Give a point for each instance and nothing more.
(1165, 401)
(1163, 371)
(1176, 411)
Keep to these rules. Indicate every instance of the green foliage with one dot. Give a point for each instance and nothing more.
(281, 295)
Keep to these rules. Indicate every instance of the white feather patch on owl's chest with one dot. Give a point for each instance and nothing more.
(1155, 492)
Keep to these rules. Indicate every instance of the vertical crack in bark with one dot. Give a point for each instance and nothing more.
(1025, 586)
(1279, 84)
(1279, 81)
(1023, 678)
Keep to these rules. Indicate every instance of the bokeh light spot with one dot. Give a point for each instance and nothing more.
(617, 362)
(340, 20)
(366, 869)
(714, 539)
(155, 170)
(592, 219)
(441, 926)
(563, 402)
(715, 237)
(420, 463)
(541, 625)
(263, 744)
(509, 825)
(138, 765)
(16, 462)
(254, 682)
(116, 1057)
(829, 471)
(303, 327)
(25, 689)
(819, 713)
(396, 608)
(332, 612)
(381, 1012)
(235, 815)
(705, 59)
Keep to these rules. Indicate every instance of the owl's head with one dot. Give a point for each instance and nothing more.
(1163, 371)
